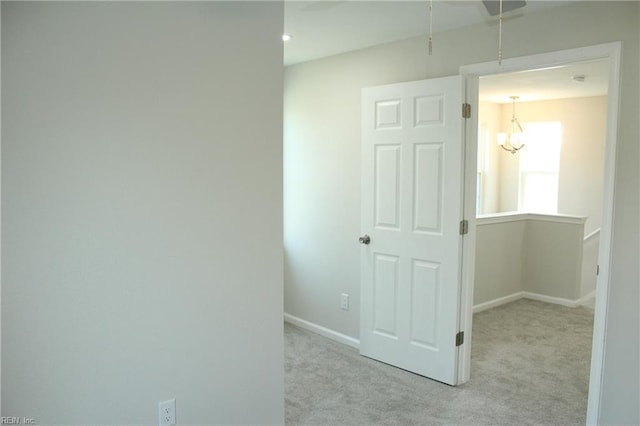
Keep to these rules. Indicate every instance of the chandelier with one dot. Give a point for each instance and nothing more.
(514, 140)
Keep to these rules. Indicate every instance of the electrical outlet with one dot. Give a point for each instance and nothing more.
(167, 412)
(344, 301)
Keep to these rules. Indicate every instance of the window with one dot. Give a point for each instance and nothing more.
(540, 167)
(483, 137)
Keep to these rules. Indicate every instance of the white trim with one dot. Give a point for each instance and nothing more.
(550, 299)
(544, 60)
(323, 331)
(606, 231)
(467, 268)
(587, 299)
(580, 220)
(592, 235)
(532, 296)
(498, 302)
(514, 217)
(610, 52)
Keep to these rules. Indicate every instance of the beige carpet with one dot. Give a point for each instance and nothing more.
(530, 365)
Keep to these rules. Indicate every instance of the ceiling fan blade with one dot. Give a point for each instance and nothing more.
(493, 6)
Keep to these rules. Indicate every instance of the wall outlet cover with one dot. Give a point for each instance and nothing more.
(344, 301)
(167, 412)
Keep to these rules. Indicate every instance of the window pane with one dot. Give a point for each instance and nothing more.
(540, 167)
(541, 193)
(542, 152)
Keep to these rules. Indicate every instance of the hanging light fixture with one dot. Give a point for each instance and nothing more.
(514, 140)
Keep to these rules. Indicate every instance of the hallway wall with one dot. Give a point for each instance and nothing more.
(322, 168)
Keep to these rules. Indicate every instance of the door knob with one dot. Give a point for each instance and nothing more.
(365, 239)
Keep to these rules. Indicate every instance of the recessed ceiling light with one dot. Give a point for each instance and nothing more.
(286, 37)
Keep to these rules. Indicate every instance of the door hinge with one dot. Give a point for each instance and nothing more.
(466, 110)
(459, 338)
(597, 269)
(464, 227)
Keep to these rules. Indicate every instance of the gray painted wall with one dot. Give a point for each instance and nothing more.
(500, 257)
(141, 212)
(554, 258)
(537, 254)
(322, 168)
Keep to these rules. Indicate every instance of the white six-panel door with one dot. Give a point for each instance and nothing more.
(412, 160)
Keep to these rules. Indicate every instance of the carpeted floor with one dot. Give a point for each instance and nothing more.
(530, 365)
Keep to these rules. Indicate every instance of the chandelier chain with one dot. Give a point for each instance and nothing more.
(430, 27)
(500, 35)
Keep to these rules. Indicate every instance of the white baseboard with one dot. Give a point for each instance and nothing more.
(355, 343)
(550, 299)
(588, 300)
(323, 331)
(533, 296)
(497, 302)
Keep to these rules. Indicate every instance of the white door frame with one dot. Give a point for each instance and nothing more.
(471, 73)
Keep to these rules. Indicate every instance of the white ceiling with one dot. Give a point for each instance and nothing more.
(546, 84)
(324, 28)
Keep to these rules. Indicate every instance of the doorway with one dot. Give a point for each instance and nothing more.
(539, 206)
(611, 54)
(539, 193)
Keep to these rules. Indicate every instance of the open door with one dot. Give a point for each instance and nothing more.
(412, 204)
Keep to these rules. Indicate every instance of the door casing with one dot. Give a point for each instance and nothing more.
(471, 74)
